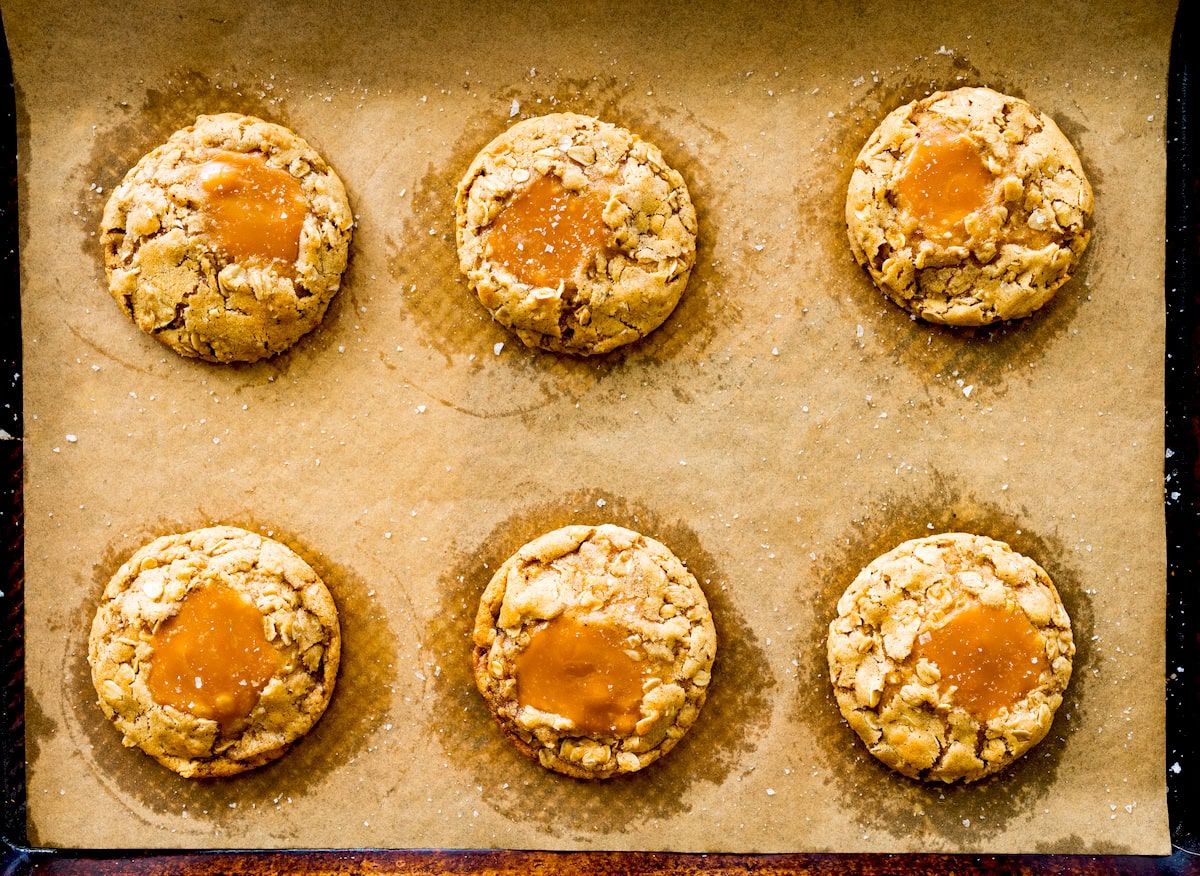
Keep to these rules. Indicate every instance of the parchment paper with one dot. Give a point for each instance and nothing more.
(784, 427)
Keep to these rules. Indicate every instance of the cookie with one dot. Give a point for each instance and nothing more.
(228, 242)
(593, 649)
(949, 656)
(575, 233)
(213, 651)
(968, 207)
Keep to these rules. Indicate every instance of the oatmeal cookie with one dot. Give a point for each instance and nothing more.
(968, 207)
(575, 233)
(593, 648)
(950, 655)
(214, 650)
(228, 242)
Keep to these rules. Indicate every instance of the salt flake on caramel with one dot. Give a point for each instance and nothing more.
(992, 655)
(251, 210)
(584, 672)
(944, 181)
(212, 659)
(548, 233)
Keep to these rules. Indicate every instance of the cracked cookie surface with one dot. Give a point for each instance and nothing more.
(968, 207)
(618, 631)
(289, 611)
(624, 280)
(178, 279)
(896, 647)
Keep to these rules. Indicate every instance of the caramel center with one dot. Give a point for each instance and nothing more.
(212, 659)
(944, 181)
(250, 209)
(992, 655)
(583, 672)
(547, 234)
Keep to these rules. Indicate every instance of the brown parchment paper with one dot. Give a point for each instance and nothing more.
(784, 427)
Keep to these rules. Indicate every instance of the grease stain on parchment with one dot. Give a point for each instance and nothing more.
(423, 258)
(135, 131)
(716, 747)
(361, 701)
(946, 817)
(989, 357)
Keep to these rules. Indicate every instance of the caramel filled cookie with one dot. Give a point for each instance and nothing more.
(949, 656)
(213, 651)
(575, 233)
(593, 648)
(228, 242)
(968, 207)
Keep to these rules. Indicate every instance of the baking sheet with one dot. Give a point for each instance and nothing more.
(785, 426)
